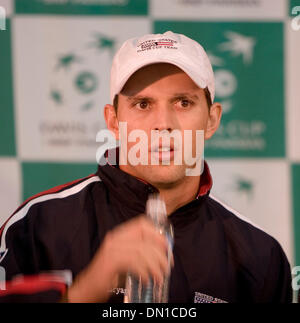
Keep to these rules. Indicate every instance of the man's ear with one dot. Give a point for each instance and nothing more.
(110, 116)
(214, 119)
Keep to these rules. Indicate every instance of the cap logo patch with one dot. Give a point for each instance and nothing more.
(157, 44)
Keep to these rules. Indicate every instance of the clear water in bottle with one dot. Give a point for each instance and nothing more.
(136, 292)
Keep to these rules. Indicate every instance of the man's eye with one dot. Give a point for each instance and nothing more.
(184, 103)
(142, 105)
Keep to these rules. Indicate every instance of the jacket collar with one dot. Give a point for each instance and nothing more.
(132, 191)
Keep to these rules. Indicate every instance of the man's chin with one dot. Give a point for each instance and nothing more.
(157, 175)
(164, 175)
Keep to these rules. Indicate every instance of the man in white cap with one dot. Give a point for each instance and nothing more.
(161, 83)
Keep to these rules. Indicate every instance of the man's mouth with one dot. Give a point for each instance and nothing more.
(161, 149)
(162, 153)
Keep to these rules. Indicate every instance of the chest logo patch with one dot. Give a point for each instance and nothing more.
(203, 298)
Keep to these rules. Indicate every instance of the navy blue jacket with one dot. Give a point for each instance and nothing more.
(218, 255)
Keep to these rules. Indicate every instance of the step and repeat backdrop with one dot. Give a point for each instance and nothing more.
(55, 58)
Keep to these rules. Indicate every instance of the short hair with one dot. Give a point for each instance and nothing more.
(208, 97)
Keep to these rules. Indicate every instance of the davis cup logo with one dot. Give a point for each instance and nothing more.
(75, 81)
(235, 54)
(74, 94)
(239, 46)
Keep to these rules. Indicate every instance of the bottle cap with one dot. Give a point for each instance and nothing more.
(156, 209)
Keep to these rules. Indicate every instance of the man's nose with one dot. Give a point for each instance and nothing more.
(165, 118)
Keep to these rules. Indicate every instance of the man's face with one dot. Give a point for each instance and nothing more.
(162, 97)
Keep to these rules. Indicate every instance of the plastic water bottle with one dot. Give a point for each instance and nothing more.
(136, 292)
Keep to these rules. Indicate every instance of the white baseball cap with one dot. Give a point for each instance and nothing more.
(176, 49)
